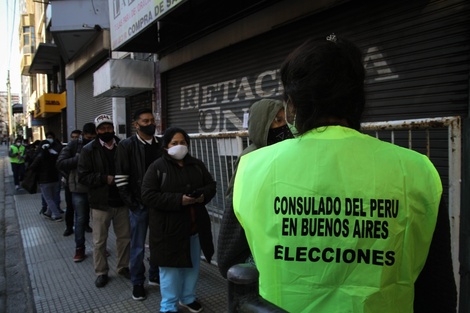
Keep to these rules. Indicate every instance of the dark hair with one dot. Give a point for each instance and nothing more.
(324, 79)
(76, 131)
(50, 133)
(139, 112)
(89, 128)
(18, 139)
(170, 132)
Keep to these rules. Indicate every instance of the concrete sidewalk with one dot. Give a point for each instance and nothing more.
(60, 285)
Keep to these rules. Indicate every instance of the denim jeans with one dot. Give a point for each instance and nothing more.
(82, 215)
(180, 283)
(139, 219)
(56, 200)
(49, 191)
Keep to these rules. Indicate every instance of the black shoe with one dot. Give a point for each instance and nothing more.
(138, 293)
(124, 272)
(154, 281)
(68, 232)
(57, 219)
(101, 281)
(46, 216)
(61, 211)
(88, 229)
(194, 307)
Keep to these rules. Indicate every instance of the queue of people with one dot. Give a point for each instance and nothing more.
(307, 151)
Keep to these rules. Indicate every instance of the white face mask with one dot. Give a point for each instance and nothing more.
(178, 152)
(50, 140)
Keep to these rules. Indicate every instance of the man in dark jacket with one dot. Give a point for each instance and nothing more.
(133, 157)
(67, 163)
(48, 176)
(96, 169)
(69, 211)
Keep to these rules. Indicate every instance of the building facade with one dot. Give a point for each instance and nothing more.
(200, 64)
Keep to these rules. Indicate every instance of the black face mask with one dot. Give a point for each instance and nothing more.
(148, 130)
(106, 137)
(278, 134)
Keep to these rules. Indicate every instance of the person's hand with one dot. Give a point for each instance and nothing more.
(45, 146)
(200, 199)
(188, 200)
(110, 179)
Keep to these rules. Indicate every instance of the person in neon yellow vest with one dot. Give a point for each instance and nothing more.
(336, 220)
(17, 157)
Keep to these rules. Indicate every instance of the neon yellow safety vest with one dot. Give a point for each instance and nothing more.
(337, 221)
(14, 149)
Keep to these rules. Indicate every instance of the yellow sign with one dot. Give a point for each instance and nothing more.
(49, 104)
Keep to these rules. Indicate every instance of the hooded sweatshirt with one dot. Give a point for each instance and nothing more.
(232, 245)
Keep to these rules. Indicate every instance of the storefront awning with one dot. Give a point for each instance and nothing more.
(17, 108)
(49, 104)
(123, 78)
(45, 60)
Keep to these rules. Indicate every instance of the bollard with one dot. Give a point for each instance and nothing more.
(242, 285)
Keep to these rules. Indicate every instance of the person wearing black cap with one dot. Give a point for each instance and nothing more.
(96, 169)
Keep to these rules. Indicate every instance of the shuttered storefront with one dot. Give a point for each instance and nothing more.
(415, 53)
(88, 107)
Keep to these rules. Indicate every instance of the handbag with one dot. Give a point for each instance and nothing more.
(30, 183)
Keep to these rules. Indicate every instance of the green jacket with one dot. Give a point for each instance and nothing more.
(338, 221)
(16, 154)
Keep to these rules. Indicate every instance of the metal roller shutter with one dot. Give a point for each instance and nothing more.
(415, 53)
(88, 107)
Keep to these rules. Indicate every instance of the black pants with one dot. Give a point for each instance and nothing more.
(18, 172)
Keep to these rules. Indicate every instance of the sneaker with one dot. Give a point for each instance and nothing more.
(88, 229)
(124, 272)
(68, 232)
(46, 216)
(194, 307)
(79, 254)
(101, 281)
(138, 293)
(154, 281)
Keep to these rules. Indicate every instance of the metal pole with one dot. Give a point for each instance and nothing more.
(10, 132)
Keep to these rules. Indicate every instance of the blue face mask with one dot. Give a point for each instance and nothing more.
(50, 140)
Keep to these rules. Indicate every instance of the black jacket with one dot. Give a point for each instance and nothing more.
(93, 170)
(67, 163)
(130, 169)
(44, 162)
(163, 187)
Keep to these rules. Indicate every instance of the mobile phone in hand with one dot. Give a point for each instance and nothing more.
(195, 194)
